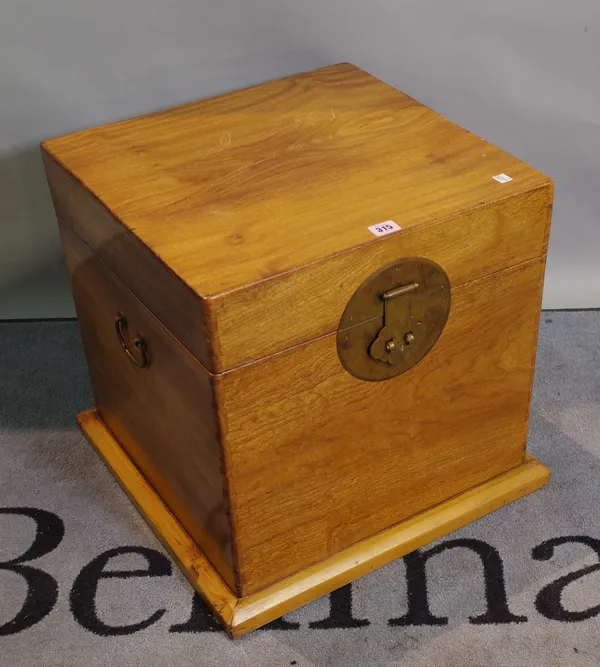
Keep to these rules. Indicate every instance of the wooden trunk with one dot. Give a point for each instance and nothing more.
(226, 260)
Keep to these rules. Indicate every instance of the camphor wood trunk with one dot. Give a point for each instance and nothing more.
(214, 250)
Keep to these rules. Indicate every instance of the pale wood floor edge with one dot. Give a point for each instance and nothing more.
(387, 546)
(240, 616)
(175, 539)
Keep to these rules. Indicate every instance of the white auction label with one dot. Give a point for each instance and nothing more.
(502, 178)
(383, 228)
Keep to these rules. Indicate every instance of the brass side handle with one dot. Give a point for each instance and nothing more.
(137, 351)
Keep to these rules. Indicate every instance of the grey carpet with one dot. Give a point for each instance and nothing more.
(542, 552)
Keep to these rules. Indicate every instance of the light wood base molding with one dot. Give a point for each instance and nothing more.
(241, 615)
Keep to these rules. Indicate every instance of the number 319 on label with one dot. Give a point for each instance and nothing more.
(383, 228)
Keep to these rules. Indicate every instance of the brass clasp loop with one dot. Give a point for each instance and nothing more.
(393, 319)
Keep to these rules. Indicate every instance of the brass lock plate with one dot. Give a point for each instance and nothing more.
(394, 319)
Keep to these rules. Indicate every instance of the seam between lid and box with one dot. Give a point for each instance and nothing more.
(332, 332)
(214, 302)
(210, 320)
(78, 207)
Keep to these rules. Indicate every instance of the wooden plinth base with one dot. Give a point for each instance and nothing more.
(240, 615)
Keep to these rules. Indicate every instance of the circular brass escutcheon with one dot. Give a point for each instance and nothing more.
(394, 319)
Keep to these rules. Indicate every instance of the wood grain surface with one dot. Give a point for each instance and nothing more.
(256, 610)
(319, 460)
(309, 303)
(153, 282)
(246, 198)
(240, 616)
(231, 233)
(178, 542)
(163, 414)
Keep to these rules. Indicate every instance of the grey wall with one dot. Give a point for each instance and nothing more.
(522, 73)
